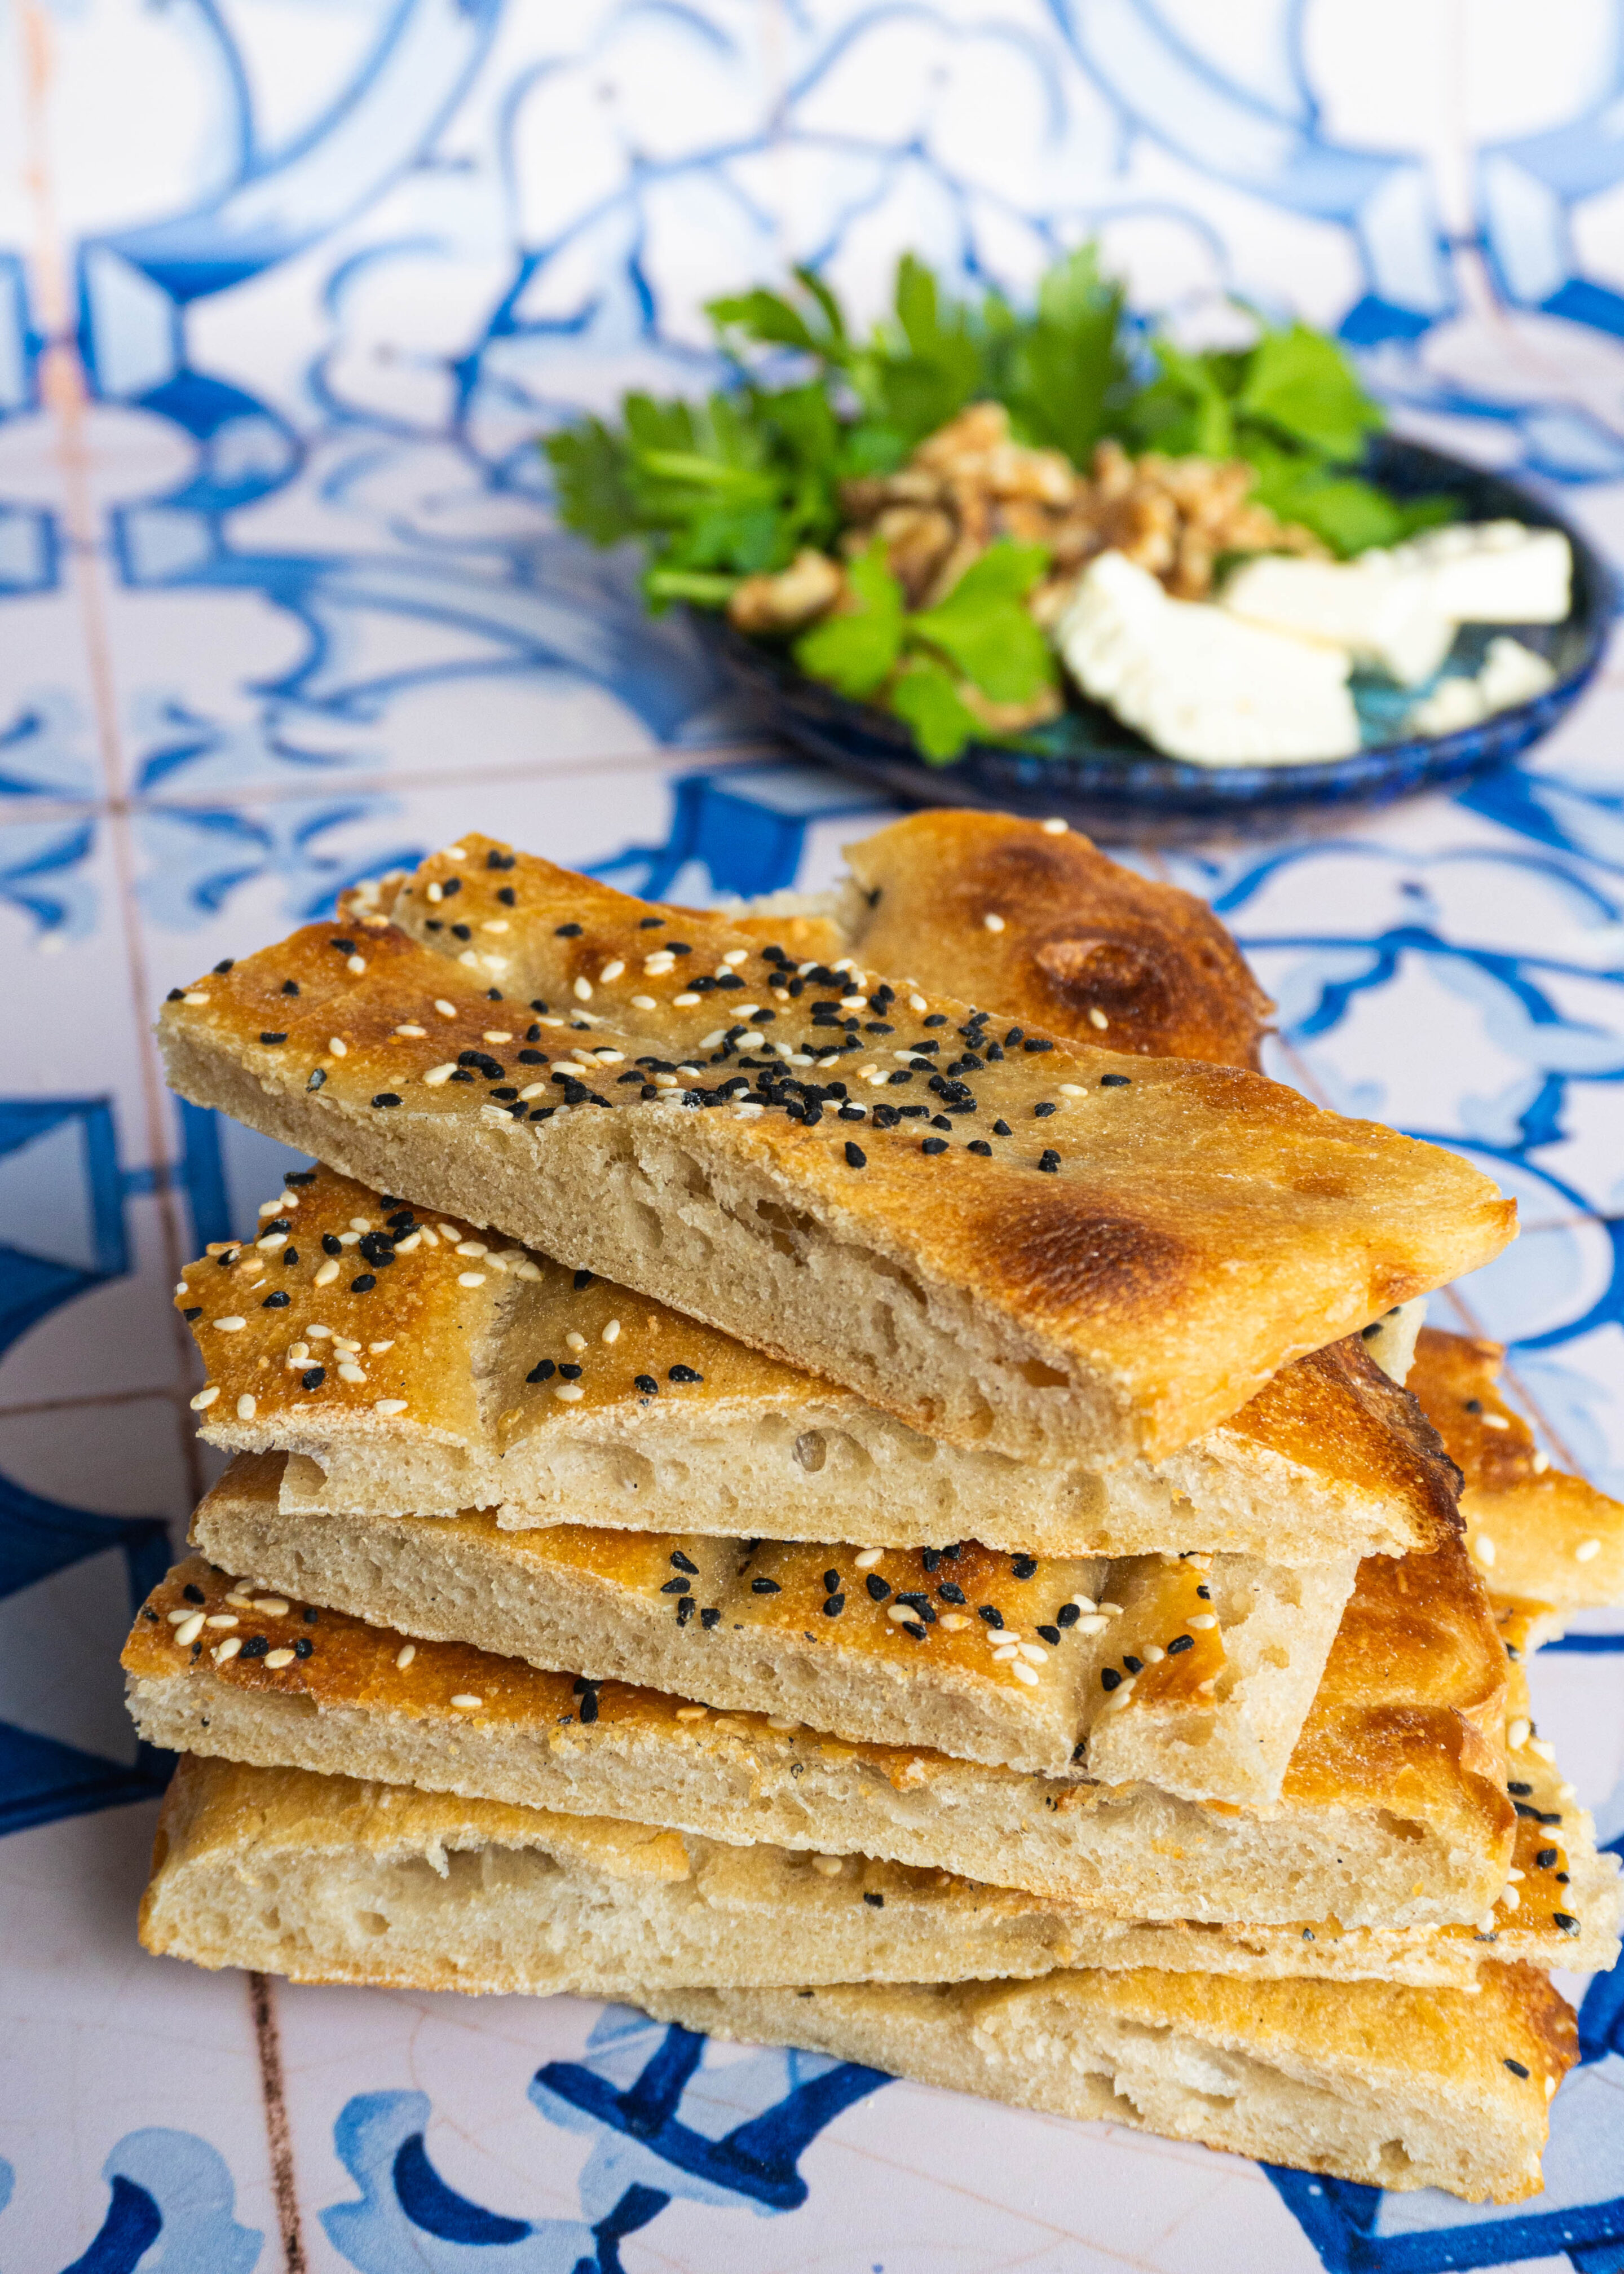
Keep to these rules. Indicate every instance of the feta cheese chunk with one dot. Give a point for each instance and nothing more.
(1381, 607)
(1494, 572)
(1511, 674)
(1196, 681)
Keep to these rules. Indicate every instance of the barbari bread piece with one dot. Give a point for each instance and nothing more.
(1080, 946)
(1534, 1531)
(466, 1373)
(1121, 1271)
(1191, 1673)
(1395, 2088)
(323, 1878)
(1394, 1812)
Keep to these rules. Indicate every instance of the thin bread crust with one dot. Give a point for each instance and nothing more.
(1126, 1268)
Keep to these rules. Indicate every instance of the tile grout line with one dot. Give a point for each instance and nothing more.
(64, 393)
(284, 2188)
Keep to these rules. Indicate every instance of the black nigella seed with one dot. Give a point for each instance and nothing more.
(1067, 1616)
(506, 1092)
(764, 1587)
(1545, 1858)
(855, 1157)
(683, 1373)
(650, 924)
(1523, 1790)
(269, 1040)
(570, 1373)
(685, 1611)
(833, 1605)
(501, 860)
(290, 1255)
(310, 1615)
(1037, 1043)
(1049, 1634)
(1473, 1405)
(176, 994)
(1015, 1034)
(991, 1612)
(196, 1311)
(1134, 1665)
(1024, 1566)
(937, 1019)
(256, 1646)
(461, 931)
(877, 1900)
(1180, 1643)
(1515, 2067)
(544, 1372)
(979, 1144)
(589, 1705)
(646, 1384)
(279, 1302)
(831, 1583)
(1565, 1921)
(363, 1284)
(532, 1058)
(877, 1588)
(567, 932)
(331, 1244)
(677, 1587)
(290, 986)
(1049, 1161)
(950, 1592)
(940, 1121)
(929, 1557)
(583, 1279)
(1041, 1112)
(314, 1376)
(1001, 1129)
(304, 1647)
(1206, 1593)
(390, 1098)
(680, 1562)
(934, 1145)
(507, 896)
(709, 1618)
(1114, 1081)
(192, 1594)
(1110, 1679)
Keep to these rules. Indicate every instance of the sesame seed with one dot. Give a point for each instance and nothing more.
(279, 1657)
(245, 1407)
(349, 1372)
(204, 1398)
(1587, 1550)
(388, 1405)
(1517, 1733)
(583, 990)
(469, 1278)
(405, 1654)
(224, 1649)
(231, 1325)
(569, 1391)
(610, 971)
(644, 1003)
(1483, 1550)
(612, 1332)
(1202, 1619)
(466, 1700)
(194, 998)
(1054, 828)
(327, 1273)
(189, 1629)
(993, 924)
(868, 1558)
(685, 1002)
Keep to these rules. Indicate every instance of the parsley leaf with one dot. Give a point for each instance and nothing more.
(925, 695)
(855, 651)
(984, 626)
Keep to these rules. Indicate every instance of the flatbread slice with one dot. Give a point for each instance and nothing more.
(327, 1878)
(1534, 1531)
(471, 1374)
(1194, 1673)
(1123, 1270)
(1394, 1812)
(1395, 2088)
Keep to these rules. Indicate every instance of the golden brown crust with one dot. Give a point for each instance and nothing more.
(1533, 1530)
(1084, 946)
(1201, 1228)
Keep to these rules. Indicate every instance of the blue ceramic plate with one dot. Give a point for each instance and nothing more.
(1099, 773)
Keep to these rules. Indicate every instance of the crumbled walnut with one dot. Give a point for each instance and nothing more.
(791, 599)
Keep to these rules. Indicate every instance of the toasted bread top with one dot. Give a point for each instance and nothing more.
(1080, 946)
(1164, 1241)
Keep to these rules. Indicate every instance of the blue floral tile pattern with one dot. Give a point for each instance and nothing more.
(286, 295)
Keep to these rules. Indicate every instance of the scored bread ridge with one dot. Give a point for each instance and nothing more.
(1393, 2087)
(1123, 1271)
(320, 1877)
(1085, 948)
(414, 1367)
(1193, 1673)
(1395, 1813)
(1533, 1530)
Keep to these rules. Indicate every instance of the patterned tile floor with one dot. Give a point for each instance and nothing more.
(190, 761)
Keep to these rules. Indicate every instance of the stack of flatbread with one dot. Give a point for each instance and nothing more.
(842, 1472)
